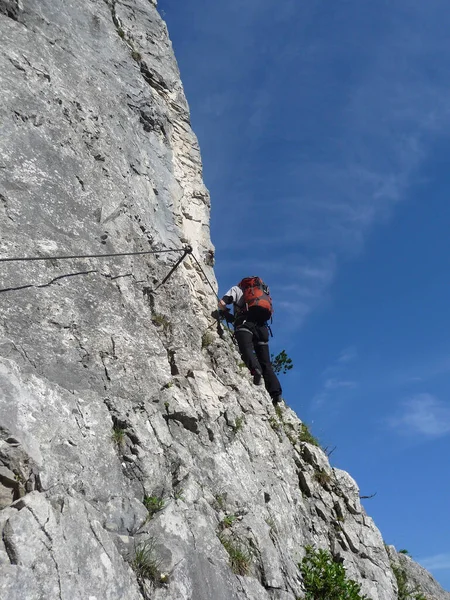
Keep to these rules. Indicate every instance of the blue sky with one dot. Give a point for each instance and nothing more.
(324, 128)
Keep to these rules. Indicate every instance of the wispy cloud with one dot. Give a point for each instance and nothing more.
(439, 365)
(437, 562)
(296, 292)
(334, 379)
(347, 355)
(422, 414)
(312, 133)
(337, 384)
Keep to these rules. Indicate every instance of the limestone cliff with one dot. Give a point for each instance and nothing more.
(127, 427)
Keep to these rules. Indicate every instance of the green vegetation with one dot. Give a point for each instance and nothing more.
(228, 521)
(118, 435)
(153, 504)
(220, 499)
(240, 558)
(322, 477)
(281, 363)
(279, 412)
(178, 495)
(238, 424)
(276, 426)
(207, 339)
(135, 55)
(405, 590)
(306, 436)
(271, 523)
(294, 436)
(146, 563)
(161, 321)
(325, 579)
(403, 551)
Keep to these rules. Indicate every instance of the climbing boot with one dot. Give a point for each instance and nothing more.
(257, 378)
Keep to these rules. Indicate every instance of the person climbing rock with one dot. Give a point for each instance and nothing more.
(252, 309)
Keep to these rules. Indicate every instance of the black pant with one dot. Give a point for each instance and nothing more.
(253, 341)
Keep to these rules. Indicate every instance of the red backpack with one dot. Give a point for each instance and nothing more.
(257, 295)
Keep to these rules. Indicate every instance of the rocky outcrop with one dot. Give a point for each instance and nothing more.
(413, 581)
(136, 458)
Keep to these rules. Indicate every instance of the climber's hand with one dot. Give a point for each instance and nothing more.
(229, 318)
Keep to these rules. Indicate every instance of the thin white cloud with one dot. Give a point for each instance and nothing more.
(348, 355)
(333, 380)
(336, 384)
(388, 120)
(307, 142)
(423, 414)
(437, 562)
(297, 285)
(423, 372)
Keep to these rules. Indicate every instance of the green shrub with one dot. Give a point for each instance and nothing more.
(325, 579)
(153, 504)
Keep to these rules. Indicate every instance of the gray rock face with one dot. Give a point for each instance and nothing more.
(416, 579)
(136, 458)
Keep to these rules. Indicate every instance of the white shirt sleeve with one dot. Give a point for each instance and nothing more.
(236, 294)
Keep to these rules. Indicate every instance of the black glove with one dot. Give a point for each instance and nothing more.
(225, 314)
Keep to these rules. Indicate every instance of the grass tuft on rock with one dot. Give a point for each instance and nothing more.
(146, 563)
(306, 436)
(240, 558)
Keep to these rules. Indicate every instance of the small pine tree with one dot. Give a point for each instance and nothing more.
(281, 363)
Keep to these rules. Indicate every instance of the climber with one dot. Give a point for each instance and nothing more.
(252, 309)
